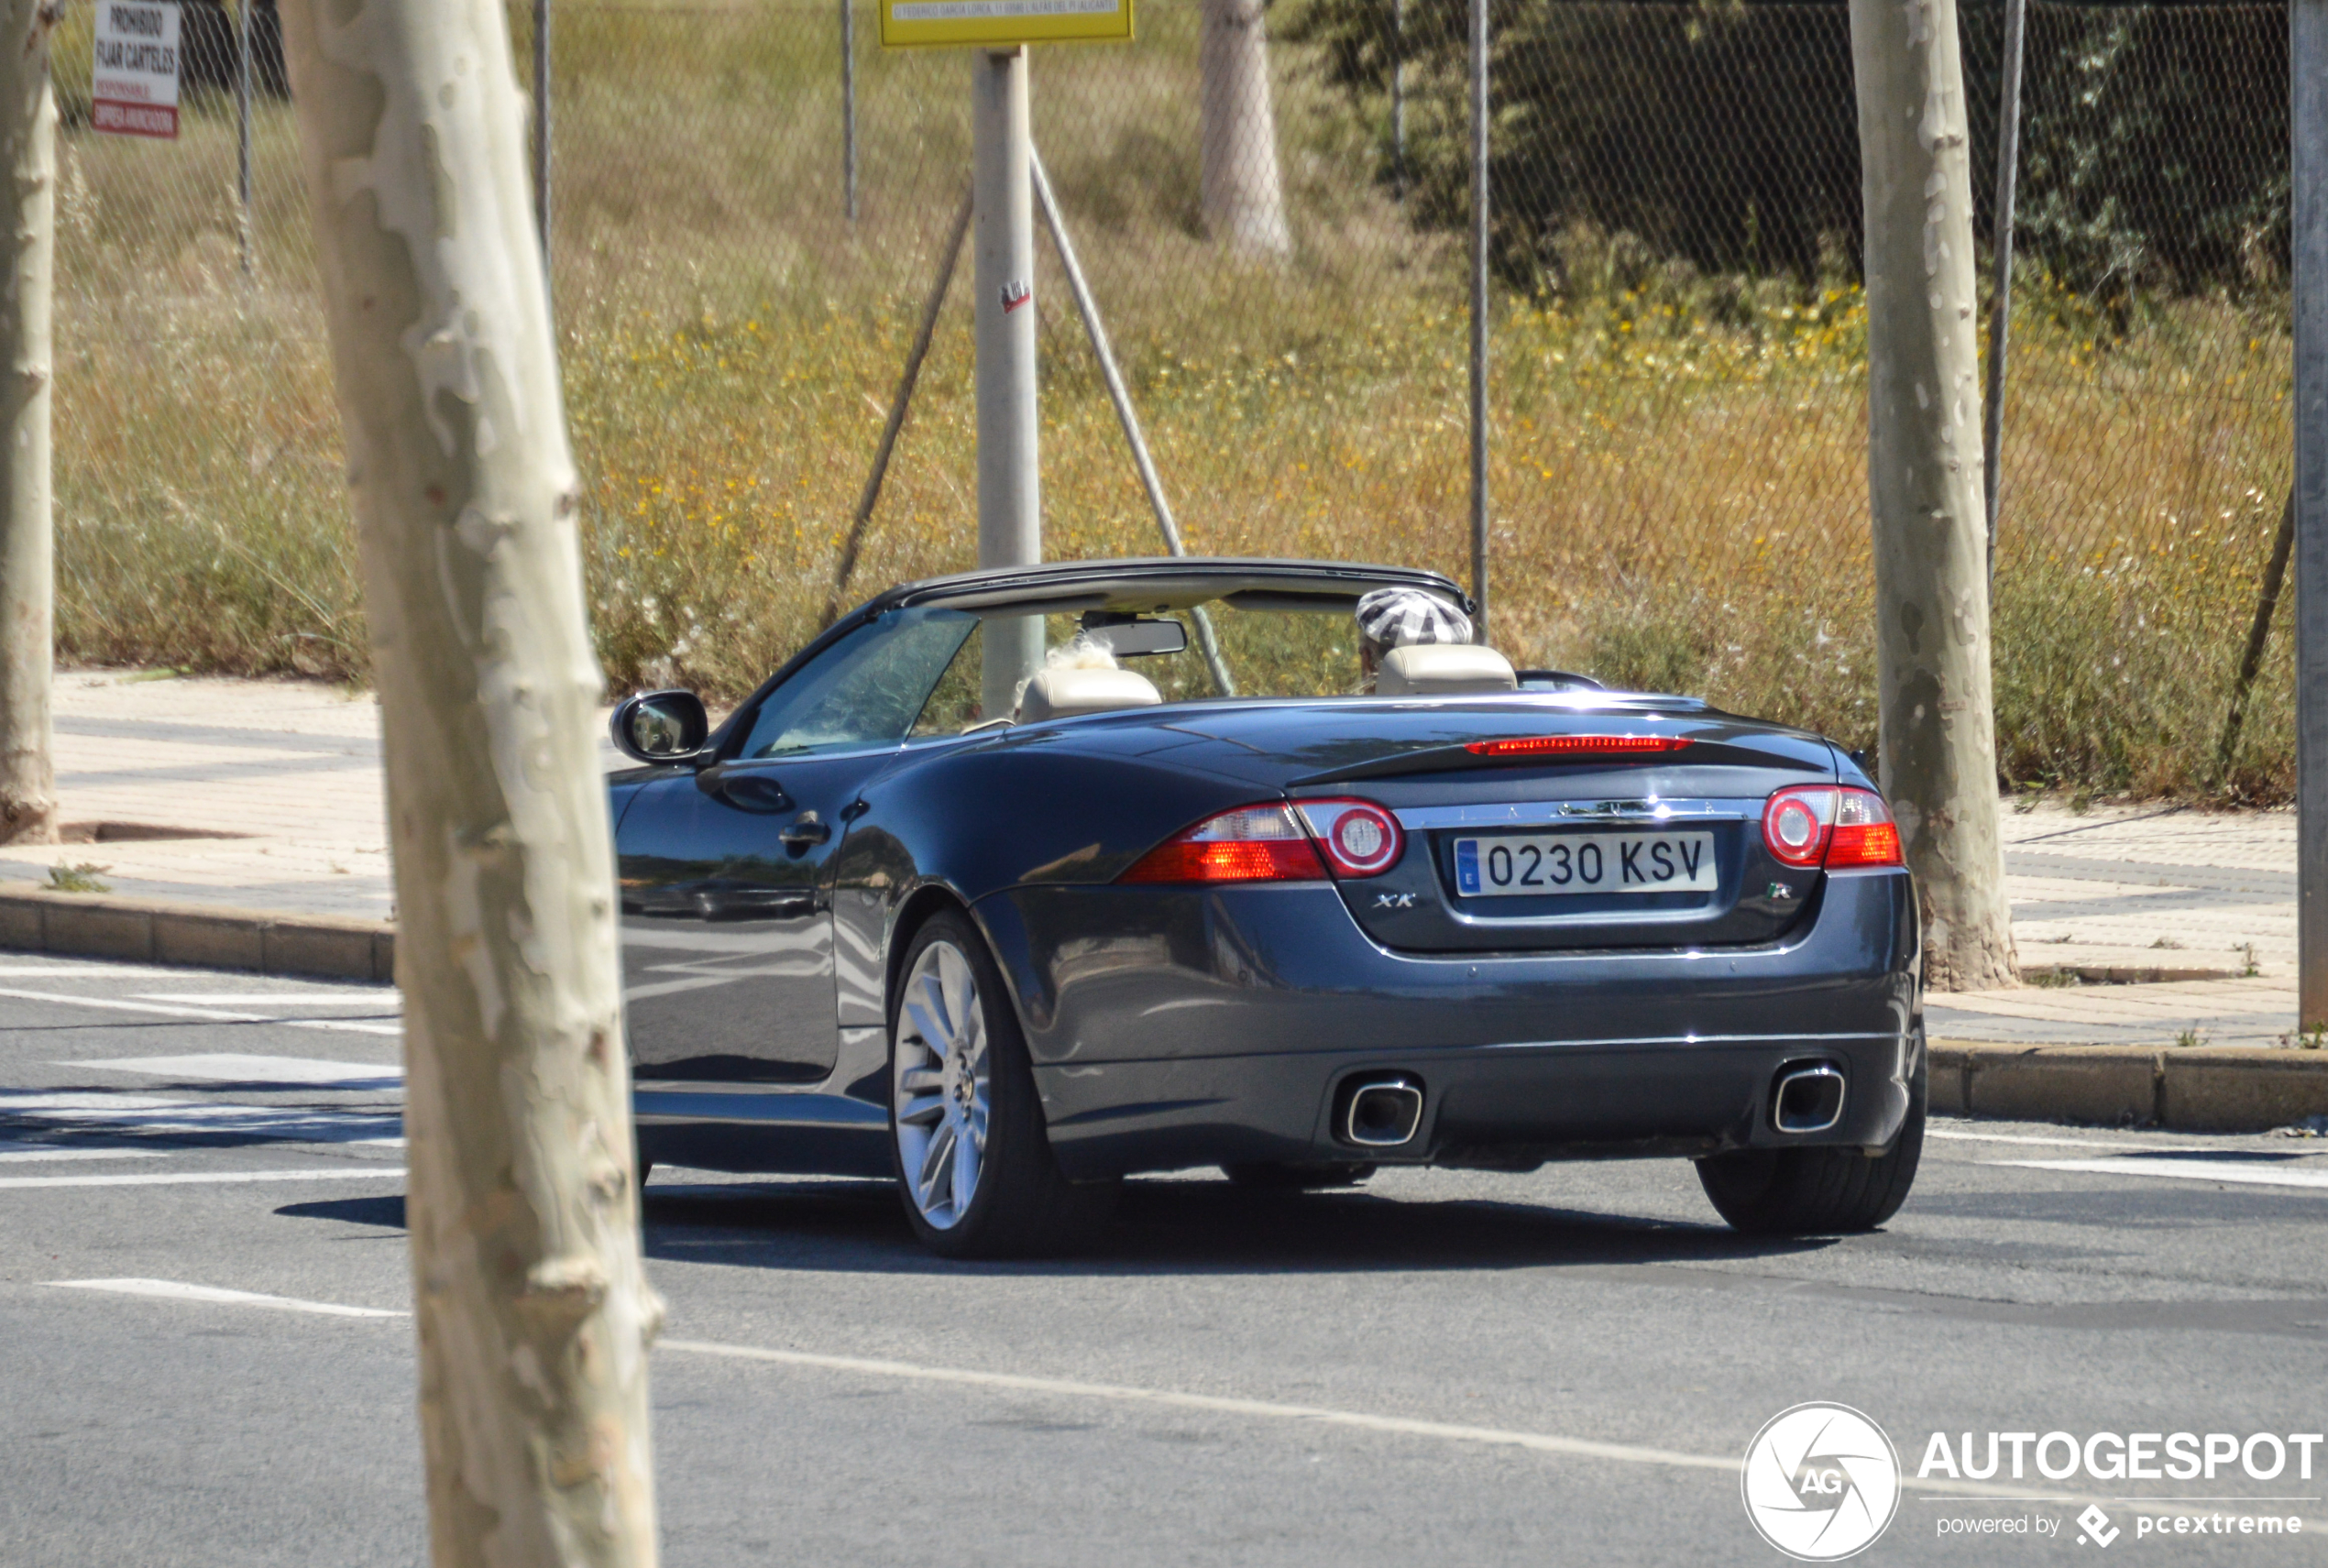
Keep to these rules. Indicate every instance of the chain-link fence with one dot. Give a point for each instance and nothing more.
(1677, 355)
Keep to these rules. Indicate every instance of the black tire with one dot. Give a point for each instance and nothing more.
(1818, 1191)
(1023, 1205)
(1274, 1176)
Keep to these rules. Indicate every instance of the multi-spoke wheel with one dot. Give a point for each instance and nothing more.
(973, 1158)
(944, 1087)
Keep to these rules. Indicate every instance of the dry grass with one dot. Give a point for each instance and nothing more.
(1680, 498)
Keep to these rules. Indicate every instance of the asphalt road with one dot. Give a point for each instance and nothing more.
(1445, 1368)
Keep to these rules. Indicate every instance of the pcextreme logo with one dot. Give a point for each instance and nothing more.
(1821, 1482)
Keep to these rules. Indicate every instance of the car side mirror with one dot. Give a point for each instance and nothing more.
(660, 726)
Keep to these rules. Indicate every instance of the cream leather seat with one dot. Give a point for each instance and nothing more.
(1444, 669)
(1060, 693)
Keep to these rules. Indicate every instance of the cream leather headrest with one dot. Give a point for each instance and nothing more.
(1062, 693)
(1444, 669)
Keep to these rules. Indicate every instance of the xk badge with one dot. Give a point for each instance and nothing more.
(1394, 901)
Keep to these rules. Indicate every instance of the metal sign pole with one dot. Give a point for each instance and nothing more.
(1480, 317)
(1010, 518)
(2308, 121)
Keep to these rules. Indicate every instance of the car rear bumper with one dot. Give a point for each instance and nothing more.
(1506, 1109)
(1174, 1027)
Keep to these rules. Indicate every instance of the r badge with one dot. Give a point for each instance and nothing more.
(1779, 892)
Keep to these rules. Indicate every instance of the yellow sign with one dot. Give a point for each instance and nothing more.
(1000, 24)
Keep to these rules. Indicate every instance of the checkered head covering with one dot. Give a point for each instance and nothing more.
(1400, 618)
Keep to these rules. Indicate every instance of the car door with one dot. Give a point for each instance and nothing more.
(726, 869)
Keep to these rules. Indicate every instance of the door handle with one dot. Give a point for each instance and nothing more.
(804, 832)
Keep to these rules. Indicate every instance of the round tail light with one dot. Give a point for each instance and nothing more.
(1360, 838)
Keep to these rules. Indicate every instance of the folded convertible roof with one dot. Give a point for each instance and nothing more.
(1167, 582)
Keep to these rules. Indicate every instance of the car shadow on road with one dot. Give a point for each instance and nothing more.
(1186, 1226)
(1162, 1227)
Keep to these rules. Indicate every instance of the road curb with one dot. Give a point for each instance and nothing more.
(98, 925)
(2197, 1089)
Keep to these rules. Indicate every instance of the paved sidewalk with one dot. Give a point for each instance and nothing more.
(283, 779)
(2137, 888)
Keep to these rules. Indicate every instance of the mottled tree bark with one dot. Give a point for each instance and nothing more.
(1924, 483)
(533, 1308)
(1243, 206)
(28, 243)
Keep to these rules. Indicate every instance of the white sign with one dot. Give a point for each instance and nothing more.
(136, 87)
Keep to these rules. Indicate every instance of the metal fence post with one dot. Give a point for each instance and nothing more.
(242, 130)
(1398, 99)
(2008, 163)
(2308, 244)
(542, 144)
(1010, 511)
(848, 104)
(1480, 317)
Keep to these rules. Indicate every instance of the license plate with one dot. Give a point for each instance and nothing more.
(1533, 864)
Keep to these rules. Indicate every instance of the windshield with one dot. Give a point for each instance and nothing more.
(915, 674)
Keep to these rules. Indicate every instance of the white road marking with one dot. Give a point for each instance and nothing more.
(1263, 1409)
(144, 1114)
(208, 1014)
(1951, 1132)
(2243, 1172)
(170, 1289)
(229, 1067)
(116, 1004)
(16, 1151)
(385, 1002)
(207, 1178)
(85, 971)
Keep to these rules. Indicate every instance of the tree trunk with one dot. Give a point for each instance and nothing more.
(1244, 206)
(533, 1308)
(1924, 482)
(27, 244)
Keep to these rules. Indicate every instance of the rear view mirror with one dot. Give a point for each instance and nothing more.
(661, 727)
(1133, 638)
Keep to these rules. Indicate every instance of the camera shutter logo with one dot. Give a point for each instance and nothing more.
(1821, 1482)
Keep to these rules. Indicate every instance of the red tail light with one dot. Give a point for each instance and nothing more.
(1821, 825)
(1555, 745)
(1278, 843)
(1360, 838)
(1252, 843)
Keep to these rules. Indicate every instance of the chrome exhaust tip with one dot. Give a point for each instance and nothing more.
(1381, 1112)
(1806, 1099)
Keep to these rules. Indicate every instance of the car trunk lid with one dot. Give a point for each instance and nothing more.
(1578, 845)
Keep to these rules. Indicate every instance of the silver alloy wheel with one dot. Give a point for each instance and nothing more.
(941, 1085)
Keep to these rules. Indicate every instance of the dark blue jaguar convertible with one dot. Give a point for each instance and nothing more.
(1016, 882)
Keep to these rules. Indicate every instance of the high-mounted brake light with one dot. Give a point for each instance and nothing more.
(1251, 843)
(1821, 825)
(1554, 745)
